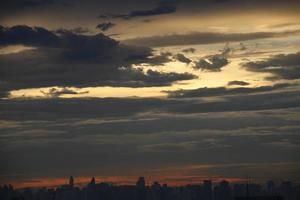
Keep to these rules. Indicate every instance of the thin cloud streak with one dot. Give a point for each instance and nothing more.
(204, 38)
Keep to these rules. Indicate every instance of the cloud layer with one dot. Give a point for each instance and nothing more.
(214, 63)
(159, 10)
(281, 66)
(246, 123)
(144, 135)
(203, 38)
(70, 59)
(105, 26)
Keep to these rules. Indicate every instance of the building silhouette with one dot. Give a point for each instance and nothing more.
(208, 190)
(71, 181)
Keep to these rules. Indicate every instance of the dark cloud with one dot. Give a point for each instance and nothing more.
(77, 30)
(26, 35)
(258, 125)
(220, 91)
(27, 3)
(282, 66)
(137, 78)
(4, 94)
(33, 3)
(9, 7)
(146, 132)
(213, 64)
(112, 116)
(181, 101)
(105, 26)
(55, 93)
(181, 58)
(160, 59)
(155, 151)
(245, 102)
(57, 108)
(242, 83)
(159, 10)
(189, 50)
(204, 38)
(68, 59)
(137, 125)
(63, 38)
(139, 7)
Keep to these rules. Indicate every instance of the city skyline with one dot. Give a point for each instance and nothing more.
(207, 190)
(173, 182)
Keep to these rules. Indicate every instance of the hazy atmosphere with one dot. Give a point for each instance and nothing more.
(177, 91)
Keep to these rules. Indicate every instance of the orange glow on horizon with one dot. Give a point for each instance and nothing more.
(120, 180)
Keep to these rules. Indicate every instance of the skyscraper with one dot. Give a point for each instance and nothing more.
(71, 181)
(141, 188)
(207, 190)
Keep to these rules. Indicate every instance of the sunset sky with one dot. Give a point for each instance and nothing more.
(174, 90)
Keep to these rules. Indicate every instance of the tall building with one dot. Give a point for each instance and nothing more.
(270, 186)
(223, 191)
(287, 190)
(239, 190)
(141, 188)
(141, 184)
(207, 190)
(93, 181)
(71, 181)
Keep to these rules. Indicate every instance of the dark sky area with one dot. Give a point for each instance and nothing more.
(177, 91)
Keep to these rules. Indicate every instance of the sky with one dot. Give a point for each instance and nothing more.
(176, 91)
